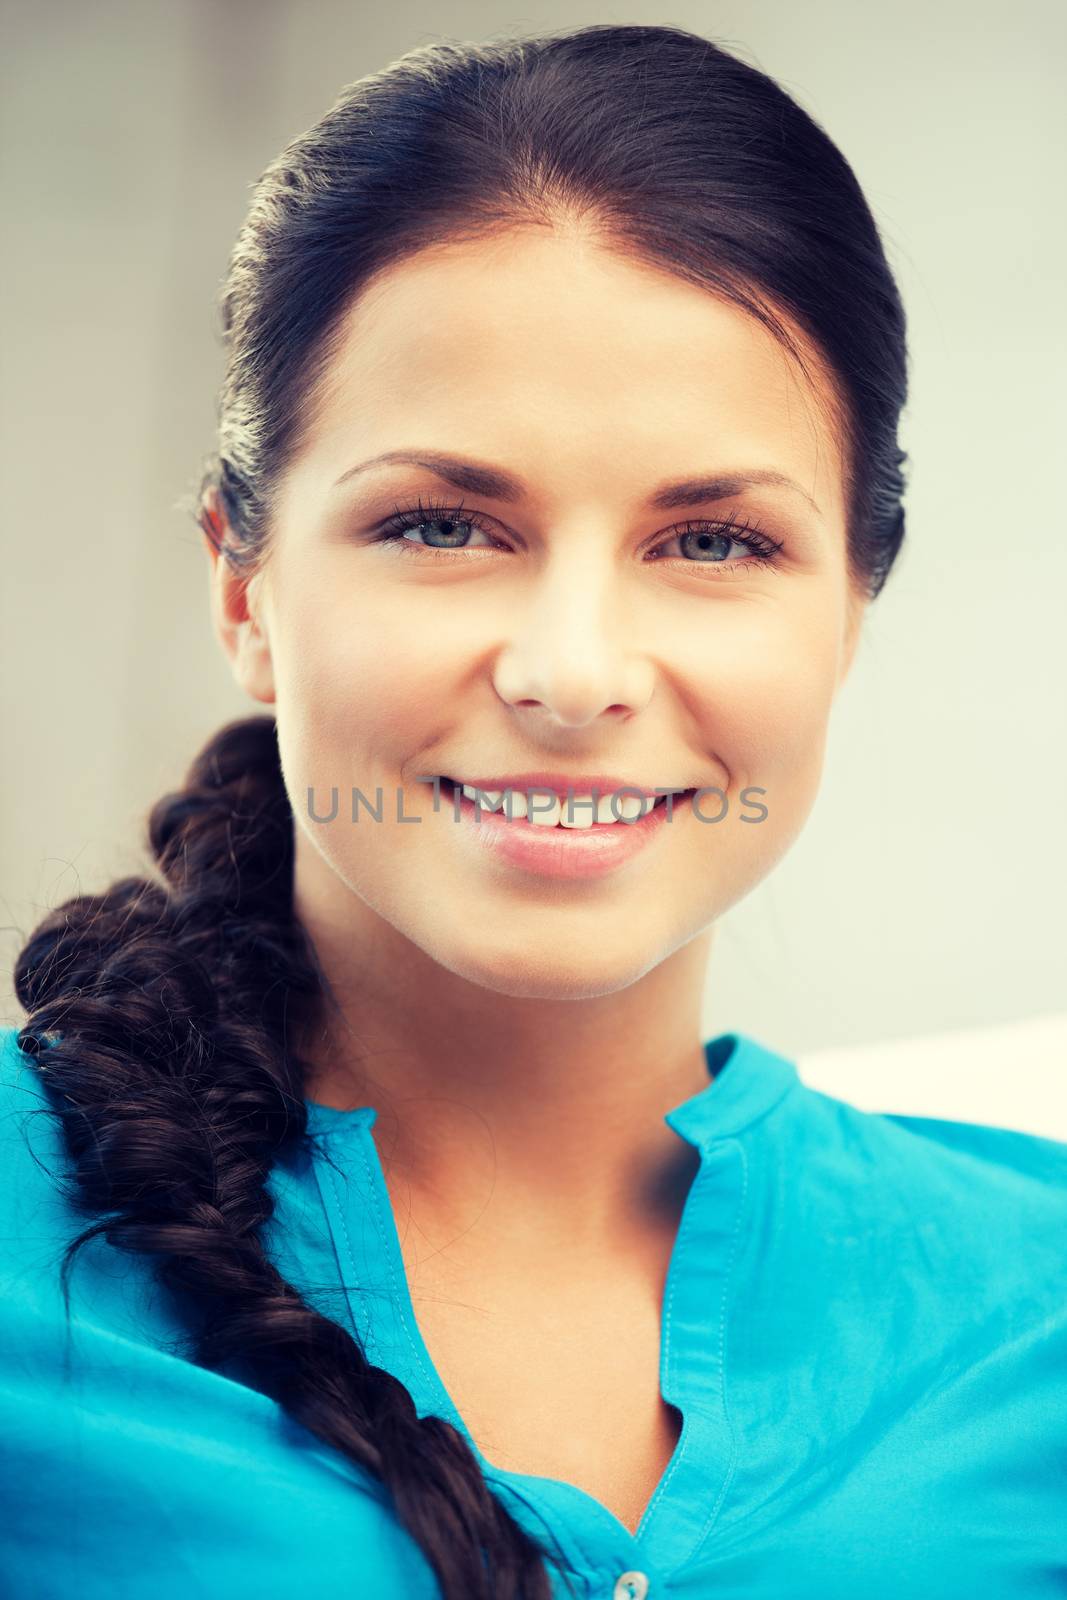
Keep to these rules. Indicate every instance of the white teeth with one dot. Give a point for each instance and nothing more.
(631, 806)
(575, 811)
(544, 815)
(512, 802)
(580, 812)
(491, 798)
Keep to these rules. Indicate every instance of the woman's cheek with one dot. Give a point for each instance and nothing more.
(767, 724)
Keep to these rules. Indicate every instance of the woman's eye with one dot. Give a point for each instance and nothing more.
(439, 529)
(442, 533)
(436, 528)
(719, 544)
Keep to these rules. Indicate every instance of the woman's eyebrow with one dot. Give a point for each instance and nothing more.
(478, 477)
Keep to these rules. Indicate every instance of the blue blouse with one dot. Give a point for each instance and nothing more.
(864, 1327)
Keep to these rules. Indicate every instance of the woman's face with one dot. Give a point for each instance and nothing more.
(569, 626)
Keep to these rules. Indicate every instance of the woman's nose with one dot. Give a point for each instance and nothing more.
(572, 657)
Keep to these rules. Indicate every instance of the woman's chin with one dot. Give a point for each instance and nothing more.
(548, 974)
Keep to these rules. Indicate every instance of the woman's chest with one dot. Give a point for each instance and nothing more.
(559, 1385)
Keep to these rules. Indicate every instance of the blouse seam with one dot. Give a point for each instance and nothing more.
(400, 1291)
(723, 1310)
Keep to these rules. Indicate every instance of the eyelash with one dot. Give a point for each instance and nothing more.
(764, 549)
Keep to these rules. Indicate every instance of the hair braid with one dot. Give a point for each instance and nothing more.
(158, 1018)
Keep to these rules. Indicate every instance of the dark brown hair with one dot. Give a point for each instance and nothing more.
(166, 1013)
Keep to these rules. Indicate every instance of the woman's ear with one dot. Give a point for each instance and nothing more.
(237, 607)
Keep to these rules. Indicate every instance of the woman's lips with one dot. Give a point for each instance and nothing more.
(554, 851)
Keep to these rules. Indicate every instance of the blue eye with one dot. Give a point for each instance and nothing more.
(450, 520)
(705, 541)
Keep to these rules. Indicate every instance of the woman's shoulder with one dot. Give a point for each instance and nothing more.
(942, 1147)
(973, 1192)
(233, 1462)
(1007, 1155)
(1005, 1188)
(967, 1087)
(947, 1150)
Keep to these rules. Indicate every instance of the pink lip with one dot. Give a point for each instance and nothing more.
(558, 852)
(604, 783)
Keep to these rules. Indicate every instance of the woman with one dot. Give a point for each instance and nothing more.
(431, 1251)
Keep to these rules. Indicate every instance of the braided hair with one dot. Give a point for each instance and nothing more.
(165, 1016)
(163, 1021)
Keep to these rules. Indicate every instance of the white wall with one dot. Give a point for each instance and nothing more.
(925, 895)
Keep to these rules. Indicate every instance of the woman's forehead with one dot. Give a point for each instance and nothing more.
(536, 342)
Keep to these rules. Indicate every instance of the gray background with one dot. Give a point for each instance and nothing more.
(925, 894)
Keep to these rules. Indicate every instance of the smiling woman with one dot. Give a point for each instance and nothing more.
(557, 467)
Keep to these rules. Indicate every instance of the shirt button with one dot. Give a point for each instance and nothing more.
(631, 1586)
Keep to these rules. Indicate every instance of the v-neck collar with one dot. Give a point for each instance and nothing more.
(746, 1081)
